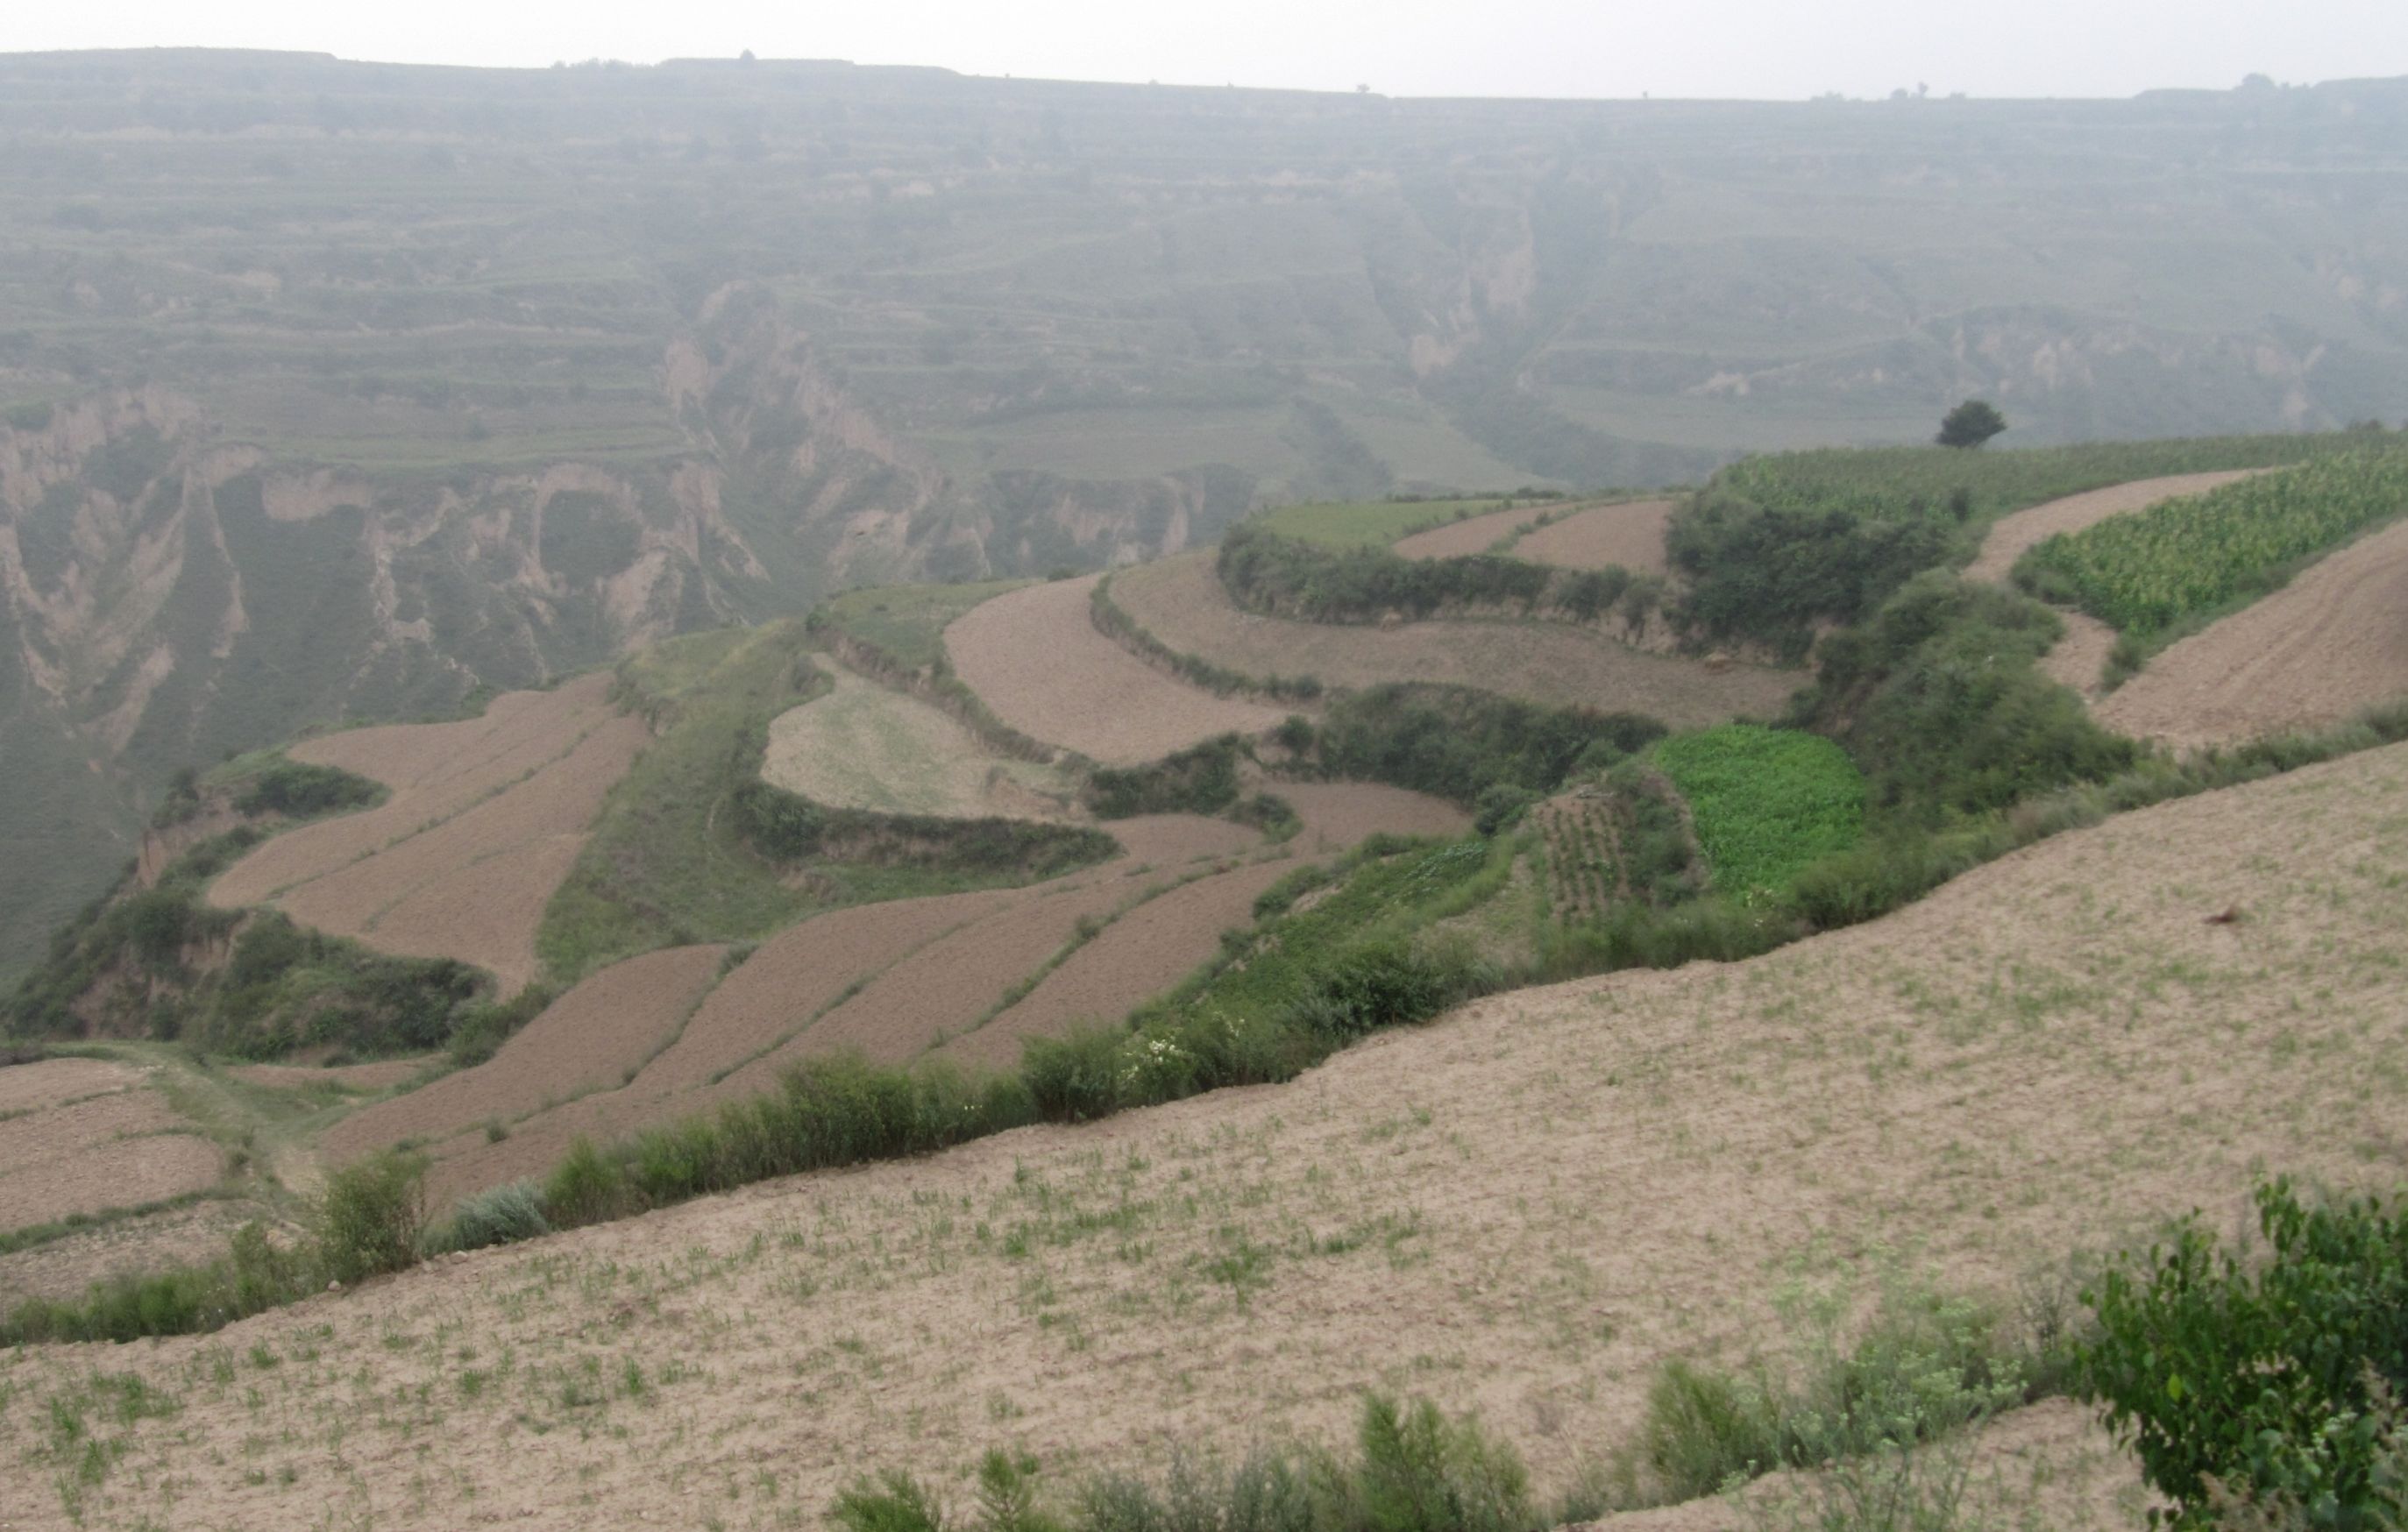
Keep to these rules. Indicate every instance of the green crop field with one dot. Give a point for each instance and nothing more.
(1767, 802)
(2146, 572)
(1367, 523)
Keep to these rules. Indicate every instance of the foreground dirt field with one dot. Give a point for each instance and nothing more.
(461, 860)
(1034, 657)
(1181, 600)
(2331, 644)
(1525, 1206)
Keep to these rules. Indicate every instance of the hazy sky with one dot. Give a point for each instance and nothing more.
(1570, 48)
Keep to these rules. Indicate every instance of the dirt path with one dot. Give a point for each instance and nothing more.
(1630, 534)
(2009, 535)
(1472, 534)
(2329, 645)
(1524, 1207)
(1034, 657)
(1182, 601)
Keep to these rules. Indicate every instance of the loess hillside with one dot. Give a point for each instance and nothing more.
(333, 390)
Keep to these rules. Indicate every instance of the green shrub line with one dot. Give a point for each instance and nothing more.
(1454, 742)
(1200, 780)
(1113, 622)
(2147, 572)
(789, 829)
(1277, 576)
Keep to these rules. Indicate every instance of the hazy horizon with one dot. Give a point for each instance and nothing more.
(1760, 50)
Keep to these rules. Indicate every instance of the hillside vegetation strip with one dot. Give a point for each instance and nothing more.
(2011, 534)
(1983, 1079)
(1182, 601)
(1374, 523)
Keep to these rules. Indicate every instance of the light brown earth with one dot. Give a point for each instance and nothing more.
(594, 1037)
(461, 859)
(2011, 534)
(119, 1173)
(1337, 815)
(1472, 534)
(2326, 647)
(1533, 1203)
(1182, 602)
(863, 746)
(1034, 657)
(1630, 534)
(381, 1074)
(65, 1267)
(54, 1083)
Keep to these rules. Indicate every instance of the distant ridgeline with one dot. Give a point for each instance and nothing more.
(333, 390)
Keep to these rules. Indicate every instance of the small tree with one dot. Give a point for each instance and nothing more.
(1972, 423)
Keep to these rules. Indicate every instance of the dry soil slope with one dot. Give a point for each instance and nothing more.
(82, 1136)
(1532, 1203)
(2329, 645)
(484, 820)
(1181, 600)
(1034, 656)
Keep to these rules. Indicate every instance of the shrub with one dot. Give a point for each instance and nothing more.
(500, 1216)
(1454, 742)
(301, 791)
(1499, 806)
(893, 1502)
(1423, 1472)
(1200, 779)
(584, 1188)
(1074, 1079)
(2259, 1375)
(374, 1212)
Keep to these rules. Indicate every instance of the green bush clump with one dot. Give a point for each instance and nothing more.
(1767, 802)
(1940, 701)
(1266, 571)
(1200, 779)
(2265, 1376)
(1456, 742)
(2145, 572)
(298, 790)
(501, 1215)
(786, 827)
(374, 1212)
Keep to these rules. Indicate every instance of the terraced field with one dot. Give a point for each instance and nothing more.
(1472, 534)
(83, 1135)
(1629, 534)
(485, 821)
(2010, 536)
(1182, 602)
(1034, 657)
(1526, 1207)
(865, 746)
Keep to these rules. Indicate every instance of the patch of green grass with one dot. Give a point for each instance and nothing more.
(1767, 802)
(909, 621)
(1368, 523)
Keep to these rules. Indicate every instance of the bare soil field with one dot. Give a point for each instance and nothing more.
(98, 1175)
(54, 1083)
(862, 746)
(1472, 534)
(471, 886)
(1034, 656)
(381, 1074)
(1182, 602)
(1137, 956)
(594, 1037)
(434, 771)
(2009, 535)
(2329, 645)
(1524, 1207)
(1338, 815)
(1630, 534)
(64, 1267)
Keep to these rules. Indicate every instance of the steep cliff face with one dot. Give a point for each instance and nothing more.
(166, 600)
